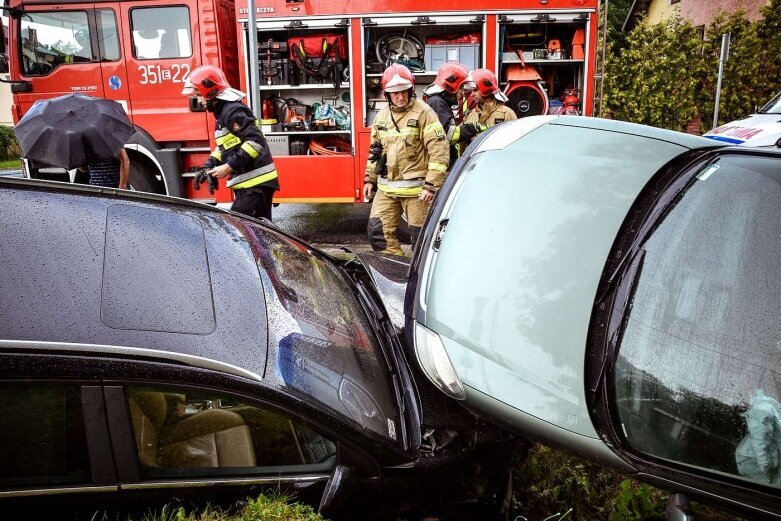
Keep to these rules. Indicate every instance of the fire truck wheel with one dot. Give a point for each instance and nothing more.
(143, 176)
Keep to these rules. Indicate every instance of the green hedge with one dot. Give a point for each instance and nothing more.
(666, 75)
(9, 148)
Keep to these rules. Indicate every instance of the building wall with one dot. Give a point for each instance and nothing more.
(701, 12)
(5, 105)
(660, 10)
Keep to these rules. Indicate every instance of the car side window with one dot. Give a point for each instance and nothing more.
(186, 431)
(42, 435)
(52, 39)
(698, 376)
(161, 32)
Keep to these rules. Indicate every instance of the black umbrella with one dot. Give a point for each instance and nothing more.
(73, 130)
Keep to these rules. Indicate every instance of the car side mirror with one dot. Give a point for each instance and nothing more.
(339, 487)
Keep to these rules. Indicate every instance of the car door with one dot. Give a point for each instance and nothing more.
(170, 440)
(111, 50)
(162, 45)
(55, 448)
(59, 53)
(693, 393)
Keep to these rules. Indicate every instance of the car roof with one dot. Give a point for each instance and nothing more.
(108, 270)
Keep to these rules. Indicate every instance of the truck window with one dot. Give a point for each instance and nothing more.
(161, 32)
(52, 39)
(108, 35)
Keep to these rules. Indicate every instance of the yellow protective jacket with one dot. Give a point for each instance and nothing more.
(416, 148)
(492, 113)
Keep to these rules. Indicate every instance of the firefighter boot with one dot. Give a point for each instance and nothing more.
(383, 224)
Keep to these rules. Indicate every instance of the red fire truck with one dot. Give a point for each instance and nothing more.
(319, 63)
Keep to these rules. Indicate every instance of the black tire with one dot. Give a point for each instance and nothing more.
(143, 175)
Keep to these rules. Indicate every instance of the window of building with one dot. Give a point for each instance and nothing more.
(161, 32)
(697, 378)
(43, 436)
(192, 432)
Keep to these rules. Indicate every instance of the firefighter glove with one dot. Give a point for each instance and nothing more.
(200, 177)
(382, 166)
(214, 184)
(375, 151)
(470, 130)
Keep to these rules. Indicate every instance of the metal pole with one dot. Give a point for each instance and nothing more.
(254, 71)
(723, 58)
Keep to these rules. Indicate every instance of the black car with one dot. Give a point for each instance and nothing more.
(154, 350)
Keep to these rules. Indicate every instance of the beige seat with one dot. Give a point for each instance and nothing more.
(210, 438)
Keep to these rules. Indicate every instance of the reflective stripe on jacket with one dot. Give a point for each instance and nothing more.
(416, 149)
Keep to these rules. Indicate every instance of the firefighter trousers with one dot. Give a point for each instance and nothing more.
(385, 217)
(255, 201)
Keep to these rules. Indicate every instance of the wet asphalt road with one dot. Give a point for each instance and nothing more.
(325, 225)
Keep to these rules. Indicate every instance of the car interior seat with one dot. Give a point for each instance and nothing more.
(209, 438)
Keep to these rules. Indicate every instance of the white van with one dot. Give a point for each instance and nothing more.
(762, 129)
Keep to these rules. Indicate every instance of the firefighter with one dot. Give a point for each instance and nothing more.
(408, 158)
(490, 110)
(242, 155)
(443, 94)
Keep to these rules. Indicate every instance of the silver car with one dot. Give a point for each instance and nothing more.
(613, 289)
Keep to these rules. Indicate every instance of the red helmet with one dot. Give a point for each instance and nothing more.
(397, 78)
(450, 76)
(206, 80)
(485, 81)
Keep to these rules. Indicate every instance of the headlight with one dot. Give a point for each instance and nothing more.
(436, 364)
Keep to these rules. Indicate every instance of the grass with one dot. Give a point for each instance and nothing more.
(11, 164)
(274, 507)
(551, 484)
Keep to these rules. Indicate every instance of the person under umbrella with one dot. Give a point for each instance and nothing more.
(111, 173)
(77, 131)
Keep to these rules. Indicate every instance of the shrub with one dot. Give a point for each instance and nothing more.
(9, 148)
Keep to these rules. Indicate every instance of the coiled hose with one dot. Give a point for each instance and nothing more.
(329, 146)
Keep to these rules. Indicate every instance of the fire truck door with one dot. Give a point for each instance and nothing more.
(113, 71)
(162, 45)
(59, 53)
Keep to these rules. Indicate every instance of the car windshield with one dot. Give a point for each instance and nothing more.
(773, 106)
(326, 347)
